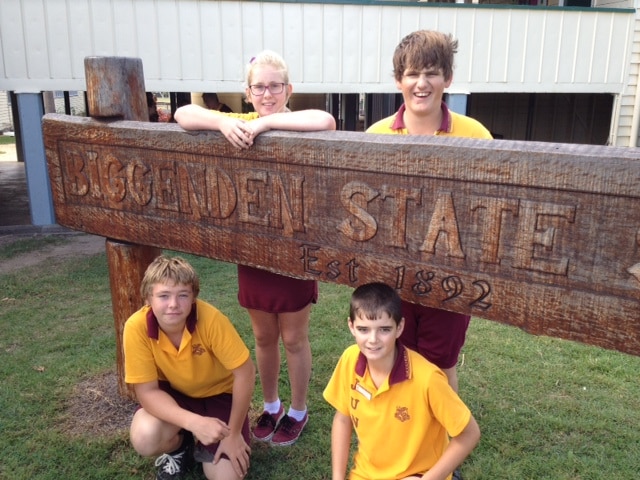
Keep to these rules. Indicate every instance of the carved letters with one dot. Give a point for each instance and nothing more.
(485, 228)
(415, 219)
(126, 182)
(274, 199)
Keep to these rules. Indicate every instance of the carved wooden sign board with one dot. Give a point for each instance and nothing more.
(545, 237)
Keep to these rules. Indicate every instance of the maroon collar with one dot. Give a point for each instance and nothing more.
(153, 328)
(445, 126)
(401, 368)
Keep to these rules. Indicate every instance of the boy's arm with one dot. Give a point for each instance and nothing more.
(161, 405)
(458, 449)
(234, 446)
(340, 445)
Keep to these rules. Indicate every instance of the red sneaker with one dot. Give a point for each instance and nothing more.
(266, 425)
(288, 431)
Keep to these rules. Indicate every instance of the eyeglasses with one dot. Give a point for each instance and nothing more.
(274, 88)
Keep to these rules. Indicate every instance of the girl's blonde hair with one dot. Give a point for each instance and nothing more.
(169, 269)
(267, 58)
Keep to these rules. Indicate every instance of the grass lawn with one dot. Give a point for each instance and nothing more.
(7, 139)
(547, 408)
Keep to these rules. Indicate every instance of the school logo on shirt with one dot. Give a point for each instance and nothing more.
(197, 349)
(402, 414)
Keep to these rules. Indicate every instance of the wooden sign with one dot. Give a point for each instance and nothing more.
(542, 236)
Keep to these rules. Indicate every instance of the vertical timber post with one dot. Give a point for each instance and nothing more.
(127, 264)
(115, 90)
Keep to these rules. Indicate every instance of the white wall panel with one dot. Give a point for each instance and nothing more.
(125, 30)
(565, 52)
(475, 34)
(205, 44)
(169, 40)
(341, 27)
(148, 27)
(618, 64)
(312, 47)
(371, 31)
(294, 30)
(444, 20)
(558, 47)
(584, 53)
(530, 41)
(190, 36)
(35, 39)
(273, 23)
(252, 29)
(211, 32)
(57, 38)
(102, 25)
(499, 48)
(467, 50)
(383, 48)
(80, 42)
(515, 53)
(234, 54)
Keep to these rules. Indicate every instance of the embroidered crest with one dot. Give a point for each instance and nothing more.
(402, 414)
(197, 349)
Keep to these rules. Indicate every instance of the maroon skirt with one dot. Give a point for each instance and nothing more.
(274, 293)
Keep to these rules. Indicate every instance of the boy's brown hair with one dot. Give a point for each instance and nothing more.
(371, 299)
(169, 269)
(425, 49)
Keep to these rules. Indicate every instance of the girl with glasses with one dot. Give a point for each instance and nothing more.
(279, 306)
(268, 90)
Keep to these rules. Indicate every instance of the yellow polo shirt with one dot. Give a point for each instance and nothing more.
(201, 367)
(403, 427)
(453, 125)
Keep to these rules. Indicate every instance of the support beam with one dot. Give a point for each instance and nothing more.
(30, 112)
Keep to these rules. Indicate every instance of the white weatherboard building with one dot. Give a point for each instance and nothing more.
(562, 72)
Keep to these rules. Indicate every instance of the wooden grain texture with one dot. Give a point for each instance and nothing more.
(115, 89)
(127, 264)
(542, 236)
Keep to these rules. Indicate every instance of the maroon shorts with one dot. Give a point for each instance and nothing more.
(273, 293)
(218, 406)
(438, 335)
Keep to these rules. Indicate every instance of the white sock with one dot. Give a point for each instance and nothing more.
(272, 407)
(297, 415)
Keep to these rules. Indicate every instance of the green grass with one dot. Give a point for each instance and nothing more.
(548, 408)
(7, 139)
(27, 245)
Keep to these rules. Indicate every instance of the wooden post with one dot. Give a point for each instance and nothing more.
(115, 89)
(127, 264)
